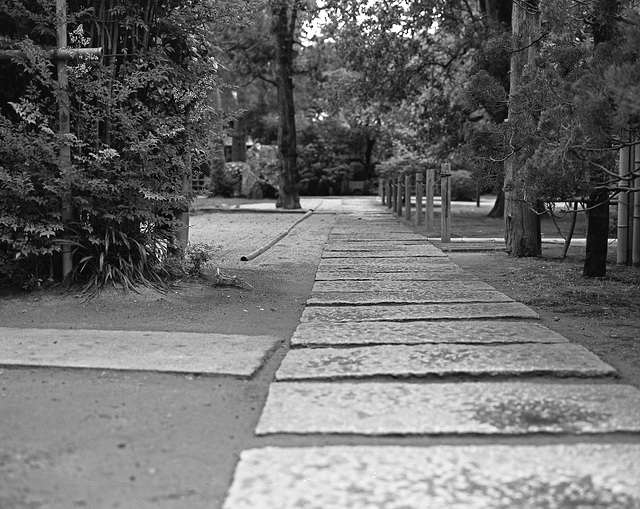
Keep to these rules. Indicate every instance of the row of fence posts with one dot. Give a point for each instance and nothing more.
(396, 193)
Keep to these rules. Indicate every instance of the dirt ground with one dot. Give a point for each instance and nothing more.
(86, 438)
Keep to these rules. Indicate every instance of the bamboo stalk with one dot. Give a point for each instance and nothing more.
(623, 207)
(635, 243)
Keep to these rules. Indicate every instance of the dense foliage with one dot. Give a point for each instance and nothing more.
(141, 116)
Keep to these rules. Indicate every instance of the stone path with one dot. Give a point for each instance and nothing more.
(397, 342)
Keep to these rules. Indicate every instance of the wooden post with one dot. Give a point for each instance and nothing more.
(389, 193)
(407, 197)
(635, 241)
(623, 207)
(429, 183)
(64, 128)
(393, 193)
(419, 193)
(445, 209)
(382, 190)
(399, 195)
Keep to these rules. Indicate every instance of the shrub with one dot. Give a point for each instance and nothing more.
(463, 186)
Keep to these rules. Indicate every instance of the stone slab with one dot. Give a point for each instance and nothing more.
(400, 297)
(366, 228)
(404, 253)
(412, 312)
(176, 352)
(426, 261)
(373, 247)
(395, 286)
(361, 274)
(378, 236)
(562, 360)
(438, 477)
(381, 333)
(512, 408)
(387, 264)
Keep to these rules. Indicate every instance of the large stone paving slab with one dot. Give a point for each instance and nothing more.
(488, 408)
(439, 477)
(362, 274)
(413, 297)
(177, 352)
(404, 253)
(433, 264)
(374, 247)
(373, 333)
(563, 360)
(395, 286)
(415, 262)
(412, 312)
(379, 236)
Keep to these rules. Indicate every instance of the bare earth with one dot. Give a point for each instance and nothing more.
(140, 439)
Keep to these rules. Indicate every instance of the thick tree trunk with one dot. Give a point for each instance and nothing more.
(595, 262)
(522, 225)
(283, 27)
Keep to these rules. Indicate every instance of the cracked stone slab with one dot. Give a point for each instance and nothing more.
(438, 477)
(373, 408)
(175, 352)
(395, 286)
(561, 360)
(380, 333)
(450, 274)
(408, 253)
(412, 297)
(412, 312)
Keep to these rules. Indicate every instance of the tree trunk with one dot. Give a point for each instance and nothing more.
(498, 207)
(595, 262)
(239, 140)
(522, 225)
(283, 27)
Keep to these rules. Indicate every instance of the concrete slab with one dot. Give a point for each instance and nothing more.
(412, 297)
(450, 274)
(175, 352)
(561, 360)
(413, 312)
(452, 408)
(395, 286)
(381, 333)
(423, 252)
(439, 477)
